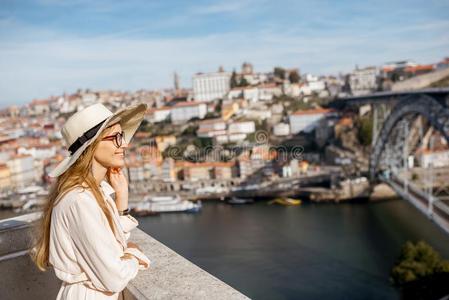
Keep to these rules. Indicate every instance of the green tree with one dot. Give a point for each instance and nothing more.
(365, 132)
(243, 82)
(294, 77)
(279, 72)
(417, 261)
(234, 82)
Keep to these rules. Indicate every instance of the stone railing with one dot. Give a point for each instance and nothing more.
(170, 275)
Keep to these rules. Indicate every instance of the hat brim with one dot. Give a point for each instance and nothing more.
(129, 118)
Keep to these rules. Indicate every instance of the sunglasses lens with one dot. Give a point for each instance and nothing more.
(119, 138)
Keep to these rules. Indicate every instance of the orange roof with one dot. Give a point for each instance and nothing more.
(312, 111)
(345, 121)
(141, 135)
(40, 102)
(419, 68)
(267, 85)
(187, 164)
(151, 110)
(20, 156)
(189, 103)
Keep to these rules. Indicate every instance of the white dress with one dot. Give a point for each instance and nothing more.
(84, 251)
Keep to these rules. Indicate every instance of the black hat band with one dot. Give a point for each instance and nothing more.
(85, 137)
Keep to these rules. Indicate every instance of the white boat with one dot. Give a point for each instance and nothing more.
(167, 204)
(30, 190)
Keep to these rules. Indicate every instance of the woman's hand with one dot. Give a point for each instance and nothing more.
(120, 185)
(133, 245)
(130, 256)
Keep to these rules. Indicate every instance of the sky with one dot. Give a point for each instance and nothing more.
(48, 47)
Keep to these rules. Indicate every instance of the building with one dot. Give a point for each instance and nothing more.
(251, 94)
(136, 171)
(39, 107)
(281, 129)
(211, 128)
(155, 115)
(306, 120)
(185, 111)
(5, 177)
(22, 170)
(363, 81)
(269, 90)
(433, 158)
(168, 170)
(211, 86)
(229, 109)
(242, 127)
(163, 141)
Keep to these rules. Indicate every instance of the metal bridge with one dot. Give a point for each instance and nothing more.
(407, 125)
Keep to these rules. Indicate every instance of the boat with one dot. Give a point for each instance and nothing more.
(164, 204)
(285, 201)
(236, 200)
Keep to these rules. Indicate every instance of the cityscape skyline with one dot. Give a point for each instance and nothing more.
(46, 50)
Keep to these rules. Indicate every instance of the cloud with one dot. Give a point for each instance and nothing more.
(37, 61)
(221, 7)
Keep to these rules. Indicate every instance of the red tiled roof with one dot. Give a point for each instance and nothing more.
(187, 164)
(315, 111)
(189, 103)
(419, 68)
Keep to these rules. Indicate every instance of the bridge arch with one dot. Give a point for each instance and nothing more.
(436, 114)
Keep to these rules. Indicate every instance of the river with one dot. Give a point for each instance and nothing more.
(312, 251)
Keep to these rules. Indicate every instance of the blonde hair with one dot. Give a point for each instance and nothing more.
(78, 175)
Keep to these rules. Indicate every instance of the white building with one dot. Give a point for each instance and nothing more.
(39, 152)
(281, 129)
(251, 94)
(435, 158)
(22, 170)
(306, 120)
(230, 137)
(268, 91)
(211, 86)
(363, 81)
(211, 128)
(235, 93)
(185, 111)
(259, 112)
(156, 115)
(242, 127)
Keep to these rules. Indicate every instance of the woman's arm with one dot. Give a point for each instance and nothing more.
(96, 247)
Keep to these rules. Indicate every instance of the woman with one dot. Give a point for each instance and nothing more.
(84, 231)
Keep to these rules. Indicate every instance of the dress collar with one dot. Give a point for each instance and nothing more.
(107, 188)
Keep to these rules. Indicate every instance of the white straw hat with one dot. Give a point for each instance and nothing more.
(83, 127)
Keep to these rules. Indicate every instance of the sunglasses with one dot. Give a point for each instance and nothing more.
(117, 138)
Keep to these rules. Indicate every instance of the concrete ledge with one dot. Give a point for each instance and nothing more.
(171, 276)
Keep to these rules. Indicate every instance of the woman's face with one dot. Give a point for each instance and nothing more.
(107, 153)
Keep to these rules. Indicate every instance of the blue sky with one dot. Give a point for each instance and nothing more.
(48, 47)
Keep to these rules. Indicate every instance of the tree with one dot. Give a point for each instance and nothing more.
(279, 72)
(417, 261)
(234, 82)
(243, 82)
(365, 132)
(294, 77)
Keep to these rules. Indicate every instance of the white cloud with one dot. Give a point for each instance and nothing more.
(48, 62)
(229, 6)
